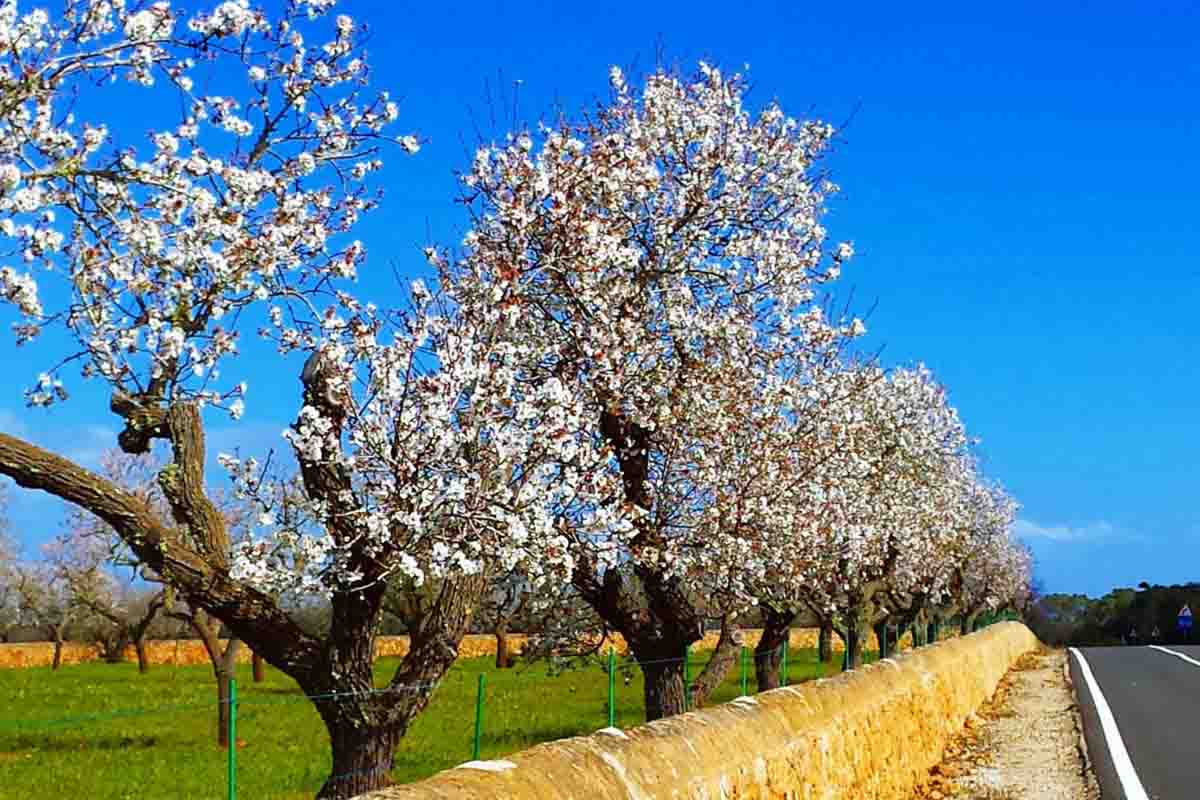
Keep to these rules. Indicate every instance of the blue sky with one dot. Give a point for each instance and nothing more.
(1020, 186)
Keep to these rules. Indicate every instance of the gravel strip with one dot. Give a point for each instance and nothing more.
(1023, 745)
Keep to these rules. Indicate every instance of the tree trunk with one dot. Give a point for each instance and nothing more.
(58, 648)
(363, 758)
(664, 685)
(825, 643)
(767, 666)
(729, 645)
(143, 662)
(657, 630)
(112, 648)
(768, 653)
(881, 639)
(503, 659)
(918, 625)
(222, 709)
(258, 668)
(966, 623)
(658, 618)
(854, 646)
(225, 672)
(365, 725)
(223, 663)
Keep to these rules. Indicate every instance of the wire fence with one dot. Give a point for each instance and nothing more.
(478, 712)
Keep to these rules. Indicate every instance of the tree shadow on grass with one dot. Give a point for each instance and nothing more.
(73, 744)
(528, 737)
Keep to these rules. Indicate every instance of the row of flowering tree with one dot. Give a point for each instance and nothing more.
(626, 389)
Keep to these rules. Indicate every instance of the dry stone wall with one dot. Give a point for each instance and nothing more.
(191, 651)
(870, 734)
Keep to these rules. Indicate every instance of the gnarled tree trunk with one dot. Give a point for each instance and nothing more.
(882, 639)
(192, 555)
(366, 724)
(825, 642)
(143, 661)
(853, 639)
(58, 648)
(503, 659)
(223, 661)
(664, 691)
(723, 659)
(363, 757)
(653, 613)
(768, 653)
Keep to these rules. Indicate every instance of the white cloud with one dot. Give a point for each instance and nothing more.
(1027, 529)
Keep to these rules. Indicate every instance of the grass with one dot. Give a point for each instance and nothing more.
(104, 732)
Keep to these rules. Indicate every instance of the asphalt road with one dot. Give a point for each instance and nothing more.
(1141, 719)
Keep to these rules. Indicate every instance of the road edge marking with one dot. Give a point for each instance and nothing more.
(1175, 653)
(1131, 784)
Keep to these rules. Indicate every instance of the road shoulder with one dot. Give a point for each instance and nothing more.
(1025, 743)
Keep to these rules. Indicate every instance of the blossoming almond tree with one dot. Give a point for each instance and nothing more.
(924, 506)
(797, 458)
(867, 507)
(922, 578)
(993, 570)
(648, 255)
(153, 261)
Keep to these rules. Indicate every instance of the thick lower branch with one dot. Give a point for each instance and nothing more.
(250, 614)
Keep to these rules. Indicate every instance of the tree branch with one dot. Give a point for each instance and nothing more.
(252, 615)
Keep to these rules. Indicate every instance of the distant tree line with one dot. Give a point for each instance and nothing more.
(1146, 615)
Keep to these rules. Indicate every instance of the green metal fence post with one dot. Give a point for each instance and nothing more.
(783, 668)
(745, 676)
(231, 758)
(612, 687)
(478, 717)
(687, 677)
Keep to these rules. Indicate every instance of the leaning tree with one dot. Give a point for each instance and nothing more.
(147, 263)
(647, 255)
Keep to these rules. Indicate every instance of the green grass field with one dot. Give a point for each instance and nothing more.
(102, 731)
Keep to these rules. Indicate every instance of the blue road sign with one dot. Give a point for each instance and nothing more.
(1185, 619)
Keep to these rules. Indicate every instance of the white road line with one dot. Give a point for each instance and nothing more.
(1175, 653)
(1131, 785)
